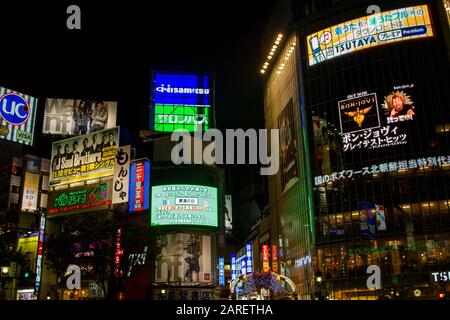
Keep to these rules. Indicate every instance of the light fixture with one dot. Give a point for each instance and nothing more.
(264, 66)
(277, 42)
(278, 72)
(280, 35)
(5, 270)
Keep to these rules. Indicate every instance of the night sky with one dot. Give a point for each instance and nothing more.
(110, 58)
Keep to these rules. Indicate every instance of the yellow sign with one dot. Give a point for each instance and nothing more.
(368, 32)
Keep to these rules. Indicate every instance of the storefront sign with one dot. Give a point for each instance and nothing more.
(265, 257)
(275, 258)
(121, 175)
(233, 267)
(85, 198)
(441, 276)
(249, 257)
(221, 271)
(368, 32)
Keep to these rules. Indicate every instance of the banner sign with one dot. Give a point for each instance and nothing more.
(41, 235)
(380, 217)
(78, 117)
(275, 258)
(368, 32)
(233, 266)
(221, 271)
(94, 196)
(121, 175)
(84, 157)
(140, 185)
(265, 257)
(249, 257)
(17, 116)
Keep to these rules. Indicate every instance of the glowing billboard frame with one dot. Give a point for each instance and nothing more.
(171, 197)
(368, 32)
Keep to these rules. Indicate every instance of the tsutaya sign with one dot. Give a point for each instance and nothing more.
(441, 276)
(368, 32)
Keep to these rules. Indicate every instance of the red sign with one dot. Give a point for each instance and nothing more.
(265, 257)
(139, 191)
(274, 258)
(119, 252)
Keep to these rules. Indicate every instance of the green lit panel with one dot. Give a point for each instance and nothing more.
(172, 117)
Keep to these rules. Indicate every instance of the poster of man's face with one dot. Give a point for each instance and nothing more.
(399, 105)
(288, 145)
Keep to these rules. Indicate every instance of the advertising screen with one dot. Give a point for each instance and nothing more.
(74, 117)
(368, 32)
(185, 259)
(181, 101)
(84, 157)
(186, 205)
(17, 116)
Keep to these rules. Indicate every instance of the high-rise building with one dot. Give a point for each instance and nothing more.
(359, 91)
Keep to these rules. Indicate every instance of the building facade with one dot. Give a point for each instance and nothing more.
(376, 158)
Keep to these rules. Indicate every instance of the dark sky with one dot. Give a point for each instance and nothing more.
(111, 56)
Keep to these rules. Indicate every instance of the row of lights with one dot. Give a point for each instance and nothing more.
(288, 55)
(271, 53)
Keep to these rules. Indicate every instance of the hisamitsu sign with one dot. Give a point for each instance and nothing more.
(370, 31)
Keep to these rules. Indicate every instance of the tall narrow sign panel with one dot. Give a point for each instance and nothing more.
(41, 235)
(221, 271)
(140, 185)
(265, 257)
(31, 184)
(121, 175)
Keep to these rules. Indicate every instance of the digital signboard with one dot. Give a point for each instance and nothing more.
(368, 32)
(181, 101)
(185, 205)
(139, 185)
(17, 116)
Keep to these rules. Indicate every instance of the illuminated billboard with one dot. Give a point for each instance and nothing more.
(84, 157)
(367, 125)
(181, 101)
(96, 196)
(75, 117)
(17, 116)
(368, 32)
(139, 185)
(185, 259)
(185, 205)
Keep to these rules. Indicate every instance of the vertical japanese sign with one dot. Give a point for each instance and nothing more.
(233, 267)
(265, 257)
(31, 184)
(118, 253)
(249, 257)
(41, 235)
(275, 258)
(121, 175)
(140, 185)
(221, 271)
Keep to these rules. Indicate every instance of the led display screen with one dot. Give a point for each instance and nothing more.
(17, 116)
(186, 205)
(181, 101)
(368, 32)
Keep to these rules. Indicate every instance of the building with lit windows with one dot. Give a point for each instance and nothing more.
(361, 101)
